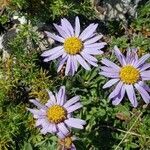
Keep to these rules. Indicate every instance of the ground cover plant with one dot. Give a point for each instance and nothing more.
(74, 75)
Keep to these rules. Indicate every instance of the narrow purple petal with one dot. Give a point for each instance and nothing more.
(61, 96)
(68, 66)
(51, 96)
(90, 59)
(143, 92)
(88, 56)
(110, 64)
(145, 74)
(145, 79)
(144, 67)
(38, 104)
(90, 62)
(69, 26)
(71, 101)
(77, 121)
(75, 63)
(54, 129)
(93, 40)
(55, 37)
(92, 35)
(119, 55)
(144, 85)
(95, 45)
(64, 54)
(62, 128)
(92, 51)
(83, 62)
(77, 27)
(109, 70)
(64, 26)
(119, 97)
(39, 122)
(132, 57)
(109, 74)
(45, 123)
(74, 107)
(86, 30)
(49, 129)
(73, 123)
(110, 83)
(49, 103)
(131, 94)
(37, 114)
(116, 91)
(60, 135)
(142, 60)
(61, 31)
(61, 64)
(73, 147)
(87, 33)
(44, 130)
(54, 56)
(72, 67)
(52, 51)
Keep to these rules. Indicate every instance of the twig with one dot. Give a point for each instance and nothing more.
(131, 133)
(128, 131)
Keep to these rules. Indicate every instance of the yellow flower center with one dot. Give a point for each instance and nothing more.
(129, 74)
(56, 114)
(73, 45)
(66, 142)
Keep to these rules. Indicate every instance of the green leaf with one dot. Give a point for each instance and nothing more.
(27, 146)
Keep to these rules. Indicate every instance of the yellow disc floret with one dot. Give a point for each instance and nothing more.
(73, 45)
(129, 74)
(66, 142)
(56, 114)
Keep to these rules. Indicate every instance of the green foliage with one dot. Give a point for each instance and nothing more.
(52, 9)
(121, 42)
(3, 19)
(140, 42)
(142, 19)
(23, 75)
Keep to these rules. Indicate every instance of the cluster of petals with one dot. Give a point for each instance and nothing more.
(76, 48)
(62, 128)
(87, 41)
(136, 65)
(67, 143)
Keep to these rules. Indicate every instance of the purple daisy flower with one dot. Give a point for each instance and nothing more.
(77, 47)
(56, 115)
(67, 142)
(129, 76)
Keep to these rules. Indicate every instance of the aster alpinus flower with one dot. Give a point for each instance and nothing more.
(66, 143)
(56, 115)
(131, 75)
(77, 47)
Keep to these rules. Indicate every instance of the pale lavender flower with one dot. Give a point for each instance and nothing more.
(77, 47)
(131, 75)
(56, 115)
